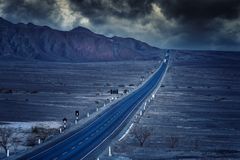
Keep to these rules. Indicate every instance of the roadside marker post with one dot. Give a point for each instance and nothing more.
(87, 114)
(77, 116)
(64, 123)
(153, 96)
(39, 141)
(109, 151)
(60, 130)
(8, 153)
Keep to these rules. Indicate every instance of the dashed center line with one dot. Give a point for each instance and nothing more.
(64, 153)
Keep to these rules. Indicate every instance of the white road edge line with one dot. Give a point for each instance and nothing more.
(119, 124)
(44, 151)
(127, 131)
(93, 122)
(130, 127)
(111, 132)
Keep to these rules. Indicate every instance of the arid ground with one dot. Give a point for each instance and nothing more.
(195, 115)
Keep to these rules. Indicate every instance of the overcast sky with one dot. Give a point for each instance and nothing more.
(183, 24)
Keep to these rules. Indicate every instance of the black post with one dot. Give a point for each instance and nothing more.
(77, 116)
(64, 123)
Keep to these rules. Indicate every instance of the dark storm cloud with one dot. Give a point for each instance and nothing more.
(205, 10)
(28, 10)
(38, 9)
(205, 23)
(191, 24)
(97, 10)
(200, 15)
(120, 8)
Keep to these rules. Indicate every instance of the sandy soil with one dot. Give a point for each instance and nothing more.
(195, 114)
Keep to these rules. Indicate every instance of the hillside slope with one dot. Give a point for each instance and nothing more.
(32, 42)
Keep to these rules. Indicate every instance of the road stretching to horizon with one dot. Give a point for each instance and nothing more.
(89, 141)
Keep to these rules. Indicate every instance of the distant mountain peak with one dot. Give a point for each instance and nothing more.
(31, 24)
(81, 29)
(33, 42)
(4, 22)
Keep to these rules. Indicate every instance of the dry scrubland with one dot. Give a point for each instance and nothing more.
(196, 112)
(51, 91)
(34, 97)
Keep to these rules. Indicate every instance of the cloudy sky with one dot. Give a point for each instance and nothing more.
(180, 24)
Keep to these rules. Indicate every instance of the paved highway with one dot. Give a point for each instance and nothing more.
(87, 142)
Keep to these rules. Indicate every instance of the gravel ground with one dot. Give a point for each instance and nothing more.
(38, 94)
(51, 91)
(196, 112)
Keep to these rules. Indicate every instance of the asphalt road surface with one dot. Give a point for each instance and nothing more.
(89, 141)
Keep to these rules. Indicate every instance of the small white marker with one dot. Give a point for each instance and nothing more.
(8, 153)
(153, 96)
(39, 141)
(109, 151)
(87, 114)
(60, 130)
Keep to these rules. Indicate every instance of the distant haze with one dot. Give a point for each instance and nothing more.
(179, 24)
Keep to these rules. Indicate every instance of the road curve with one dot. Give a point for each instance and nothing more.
(87, 142)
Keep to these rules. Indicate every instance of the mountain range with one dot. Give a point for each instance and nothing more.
(31, 42)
